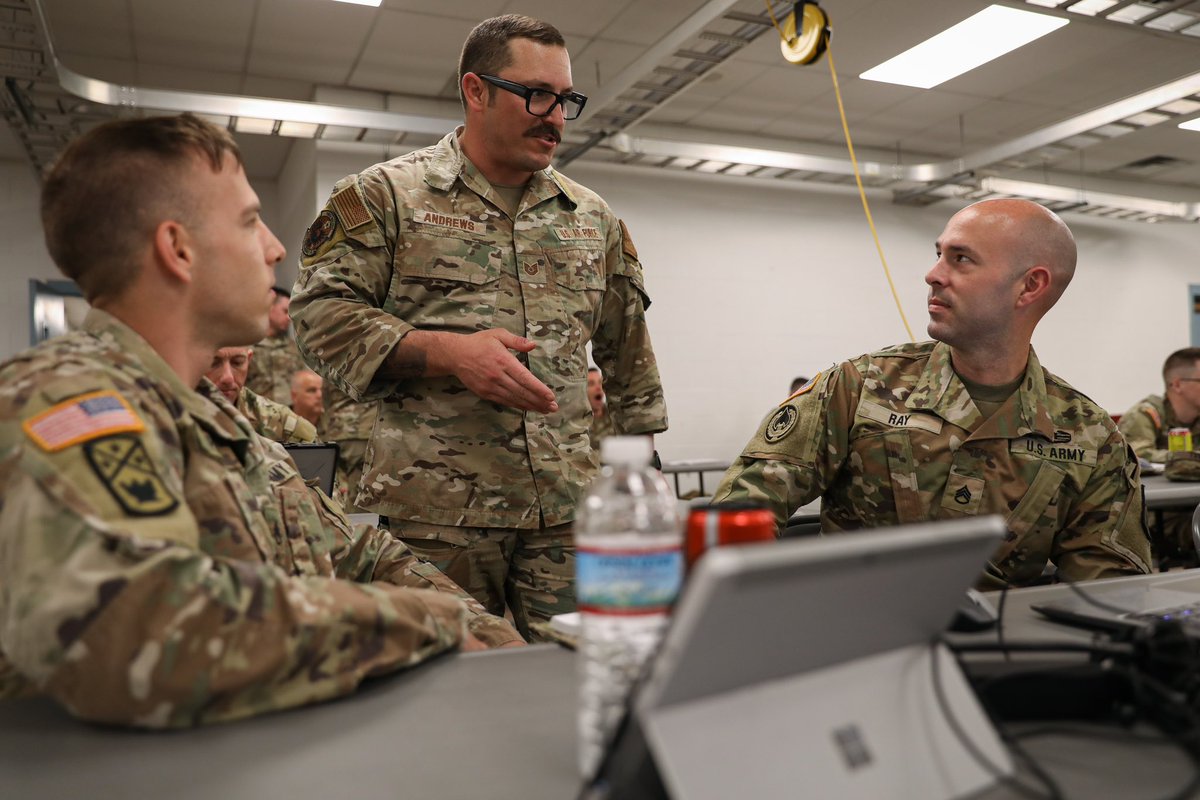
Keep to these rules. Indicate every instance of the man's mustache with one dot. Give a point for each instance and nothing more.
(544, 130)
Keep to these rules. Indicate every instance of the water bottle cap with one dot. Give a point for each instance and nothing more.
(630, 450)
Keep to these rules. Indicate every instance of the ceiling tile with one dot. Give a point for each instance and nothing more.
(407, 53)
(212, 35)
(309, 40)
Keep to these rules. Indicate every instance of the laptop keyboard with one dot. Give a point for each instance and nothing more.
(1188, 613)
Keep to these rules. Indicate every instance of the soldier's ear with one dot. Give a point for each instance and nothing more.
(1035, 286)
(474, 91)
(174, 250)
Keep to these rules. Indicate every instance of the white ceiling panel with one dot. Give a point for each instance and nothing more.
(578, 22)
(406, 53)
(212, 35)
(92, 27)
(310, 40)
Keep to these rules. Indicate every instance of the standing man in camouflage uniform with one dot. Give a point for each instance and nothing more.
(348, 422)
(965, 425)
(460, 284)
(161, 564)
(276, 358)
(1146, 426)
(268, 418)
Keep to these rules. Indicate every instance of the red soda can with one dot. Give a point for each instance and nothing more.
(721, 524)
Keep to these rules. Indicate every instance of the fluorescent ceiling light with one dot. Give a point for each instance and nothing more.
(976, 40)
(1091, 7)
(375, 3)
(1191, 125)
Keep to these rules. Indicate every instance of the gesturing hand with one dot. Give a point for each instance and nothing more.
(485, 365)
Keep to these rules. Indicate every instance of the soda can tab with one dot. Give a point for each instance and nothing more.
(721, 524)
(1179, 439)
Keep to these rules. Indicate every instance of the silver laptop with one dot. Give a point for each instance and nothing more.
(1122, 606)
(809, 664)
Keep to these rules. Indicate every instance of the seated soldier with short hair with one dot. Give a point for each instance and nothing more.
(161, 564)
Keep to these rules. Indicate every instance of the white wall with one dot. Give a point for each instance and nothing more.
(23, 255)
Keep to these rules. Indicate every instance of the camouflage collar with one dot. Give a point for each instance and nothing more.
(113, 331)
(449, 164)
(939, 390)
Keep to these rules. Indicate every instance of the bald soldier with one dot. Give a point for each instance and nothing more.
(965, 425)
(268, 418)
(161, 564)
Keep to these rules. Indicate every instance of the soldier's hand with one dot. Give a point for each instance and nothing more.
(470, 644)
(483, 363)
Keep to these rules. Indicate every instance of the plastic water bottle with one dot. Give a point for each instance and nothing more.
(628, 571)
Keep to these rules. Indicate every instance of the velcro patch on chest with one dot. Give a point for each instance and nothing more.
(82, 419)
(125, 469)
(899, 419)
(350, 206)
(438, 220)
(585, 233)
(1040, 448)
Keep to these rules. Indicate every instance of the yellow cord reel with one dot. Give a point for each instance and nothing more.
(805, 34)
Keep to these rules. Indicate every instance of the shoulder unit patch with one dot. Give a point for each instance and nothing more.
(781, 424)
(125, 469)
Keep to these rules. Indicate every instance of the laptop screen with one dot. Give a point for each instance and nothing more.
(316, 461)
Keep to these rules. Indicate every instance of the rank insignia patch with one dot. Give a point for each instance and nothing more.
(781, 424)
(320, 232)
(125, 469)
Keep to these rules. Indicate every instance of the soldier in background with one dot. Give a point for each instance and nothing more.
(1146, 426)
(162, 565)
(268, 418)
(966, 425)
(602, 424)
(276, 358)
(460, 285)
(307, 399)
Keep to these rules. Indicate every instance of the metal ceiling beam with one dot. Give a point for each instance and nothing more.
(655, 54)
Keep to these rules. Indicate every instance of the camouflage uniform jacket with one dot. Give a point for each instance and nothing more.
(162, 565)
(601, 428)
(422, 242)
(1146, 426)
(346, 418)
(893, 437)
(275, 361)
(274, 421)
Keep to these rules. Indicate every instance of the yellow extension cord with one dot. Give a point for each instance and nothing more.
(854, 162)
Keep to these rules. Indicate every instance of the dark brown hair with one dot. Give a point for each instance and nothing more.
(111, 187)
(486, 50)
(1179, 363)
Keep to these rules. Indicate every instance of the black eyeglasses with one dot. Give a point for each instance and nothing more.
(541, 102)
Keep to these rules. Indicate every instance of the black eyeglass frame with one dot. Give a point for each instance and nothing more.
(521, 90)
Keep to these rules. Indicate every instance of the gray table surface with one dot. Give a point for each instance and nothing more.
(493, 725)
(1164, 494)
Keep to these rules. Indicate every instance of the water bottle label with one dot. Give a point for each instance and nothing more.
(627, 581)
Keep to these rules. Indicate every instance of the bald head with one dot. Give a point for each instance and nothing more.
(307, 400)
(1033, 236)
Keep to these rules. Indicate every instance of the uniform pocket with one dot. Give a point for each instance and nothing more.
(444, 282)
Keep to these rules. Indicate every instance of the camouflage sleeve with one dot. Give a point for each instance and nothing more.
(1140, 430)
(1106, 533)
(275, 421)
(798, 448)
(364, 553)
(621, 343)
(338, 301)
(123, 619)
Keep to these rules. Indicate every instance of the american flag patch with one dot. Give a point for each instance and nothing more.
(81, 419)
